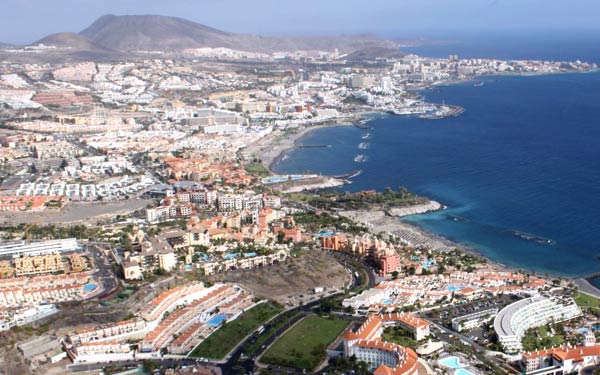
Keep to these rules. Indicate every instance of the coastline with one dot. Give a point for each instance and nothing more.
(274, 146)
(416, 235)
(280, 150)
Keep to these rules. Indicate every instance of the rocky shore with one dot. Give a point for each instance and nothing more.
(416, 209)
(317, 183)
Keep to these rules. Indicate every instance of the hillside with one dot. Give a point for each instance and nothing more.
(69, 47)
(70, 40)
(161, 33)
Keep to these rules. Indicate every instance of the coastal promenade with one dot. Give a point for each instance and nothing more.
(587, 288)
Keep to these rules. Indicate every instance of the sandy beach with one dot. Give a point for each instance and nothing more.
(377, 221)
(274, 146)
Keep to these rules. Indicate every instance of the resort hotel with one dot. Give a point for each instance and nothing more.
(514, 320)
(385, 358)
(175, 321)
(563, 359)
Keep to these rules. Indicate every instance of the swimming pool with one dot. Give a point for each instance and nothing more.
(387, 301)
(216, 320)
(89, 287)
(292, 177)
(454, 288)
(451, 362)
(461, 371)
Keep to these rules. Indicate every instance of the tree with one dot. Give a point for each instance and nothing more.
(280, 237)
(395, 275)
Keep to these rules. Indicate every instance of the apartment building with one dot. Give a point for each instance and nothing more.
(477, 319)
(514, 320)
(122, 330)
(31, 291)
(22, 248)
(39, 264)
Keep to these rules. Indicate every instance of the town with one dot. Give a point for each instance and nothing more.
(143, 226)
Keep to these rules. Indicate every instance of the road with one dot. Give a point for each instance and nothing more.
(248, 363)
(105, 274)
(468, 341)
(587, 288)
(238, 361)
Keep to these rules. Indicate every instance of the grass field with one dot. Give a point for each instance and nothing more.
(257, 170)
(304, 346)
(218, 344)
(587, 302)
(540, 338)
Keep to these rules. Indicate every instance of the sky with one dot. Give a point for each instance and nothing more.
(25, 21)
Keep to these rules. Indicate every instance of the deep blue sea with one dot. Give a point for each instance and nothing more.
(524, 158)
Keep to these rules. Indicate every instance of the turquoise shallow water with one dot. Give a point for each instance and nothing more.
(519, 170)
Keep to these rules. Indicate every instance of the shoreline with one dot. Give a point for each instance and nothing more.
(275, 146)
(283, 147)
(394, 225)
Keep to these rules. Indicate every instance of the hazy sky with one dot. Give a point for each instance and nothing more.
(24, 21)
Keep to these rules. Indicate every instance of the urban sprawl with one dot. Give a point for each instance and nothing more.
(142, 225)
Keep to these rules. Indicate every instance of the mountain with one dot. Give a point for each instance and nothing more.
(70, 46)
(162, 33)
(70, 40)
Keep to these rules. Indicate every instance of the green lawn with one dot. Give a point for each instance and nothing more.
(399, 336)
(257, 170)
(304, 345)
(587, 302)
(218, 344)
(540, 338)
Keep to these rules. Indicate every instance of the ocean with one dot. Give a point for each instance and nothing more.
(519, 171)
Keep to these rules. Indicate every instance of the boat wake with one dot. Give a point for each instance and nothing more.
(360, 158)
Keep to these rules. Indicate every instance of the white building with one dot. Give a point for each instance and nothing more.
(514, 320)
(22, 248)
(473, 320)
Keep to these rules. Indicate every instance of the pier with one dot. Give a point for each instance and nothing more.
(348, 175)
(360, 125)
(312, 146)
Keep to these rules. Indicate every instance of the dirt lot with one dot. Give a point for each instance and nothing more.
(294, 277)
(69, 319)
(75, 213)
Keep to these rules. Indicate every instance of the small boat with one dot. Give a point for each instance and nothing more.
(366, 136)
(363, 145)
(479, 84)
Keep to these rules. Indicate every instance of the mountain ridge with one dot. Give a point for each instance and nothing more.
(165, 33)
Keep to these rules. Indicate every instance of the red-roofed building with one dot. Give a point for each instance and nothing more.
(365, 343)
(563, 359)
